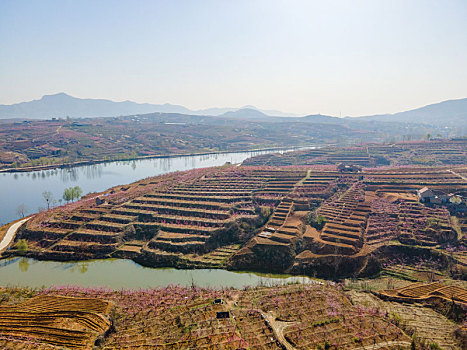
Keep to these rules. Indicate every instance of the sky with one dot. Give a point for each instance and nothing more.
(304, 57)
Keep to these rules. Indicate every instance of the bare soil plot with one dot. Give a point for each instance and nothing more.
(423, 321)
(74, 323)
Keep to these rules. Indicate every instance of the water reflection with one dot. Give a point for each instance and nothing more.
(93, 171)
(23, 265)
(120, 273)
(81, 266)
(70, 175)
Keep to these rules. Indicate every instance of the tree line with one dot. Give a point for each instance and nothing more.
(70, 194)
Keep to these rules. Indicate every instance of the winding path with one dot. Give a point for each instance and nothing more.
(278, 329)
(457, 174)
(10, 234)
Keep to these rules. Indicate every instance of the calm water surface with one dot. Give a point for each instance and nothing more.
(27, 188)
(121, 273)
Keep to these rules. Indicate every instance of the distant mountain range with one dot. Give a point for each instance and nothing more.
(451, 112)
(61, 105)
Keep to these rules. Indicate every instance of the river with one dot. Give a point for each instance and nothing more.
(26, 188)
(22, 271)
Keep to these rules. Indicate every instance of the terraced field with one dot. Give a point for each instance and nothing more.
(287, 317)
(423, 291)
(329, 319)
(265, 217)
(165, 219)
(300, 213)
(422, 153)
(363, 213)
(53, 321)
(422, 322)
(345, 222)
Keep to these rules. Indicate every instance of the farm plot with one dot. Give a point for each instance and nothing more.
(410, 222)
(421, 291)
(53, 320)
(181, 318)
(316, 187)
(290, 316)
(422, 153)
(321, 316)
(207, 207)
(421, 321)
(360, 213)
(413, 270)
(191, 212)
(424, 226)
(405, 180)
(95, 226)
(345, 222)
(328, 155)
(398, 214)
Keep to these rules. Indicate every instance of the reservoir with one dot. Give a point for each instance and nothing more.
(122, 274)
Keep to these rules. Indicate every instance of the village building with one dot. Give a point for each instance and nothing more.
(427, 195)
(346, 168)
(223, 314)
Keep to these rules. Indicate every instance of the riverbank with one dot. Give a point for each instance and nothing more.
(8, 232)
(156, 156)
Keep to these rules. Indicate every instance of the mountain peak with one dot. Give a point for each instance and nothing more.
(245, 113)
(59, 95)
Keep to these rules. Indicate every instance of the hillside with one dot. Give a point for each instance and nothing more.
(446, 113)
(299, 213)
(313, 316)
(238, 216)
(47, 142)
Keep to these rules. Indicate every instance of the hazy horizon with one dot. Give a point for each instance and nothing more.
(233, 107)
(303, 57)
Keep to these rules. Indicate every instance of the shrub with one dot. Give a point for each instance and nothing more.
(22, 246)
(316, 221)
(265, 212)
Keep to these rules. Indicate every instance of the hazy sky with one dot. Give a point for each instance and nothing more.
(328, 57)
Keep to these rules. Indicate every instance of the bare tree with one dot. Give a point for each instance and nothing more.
(49, 197)
(21, 210)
